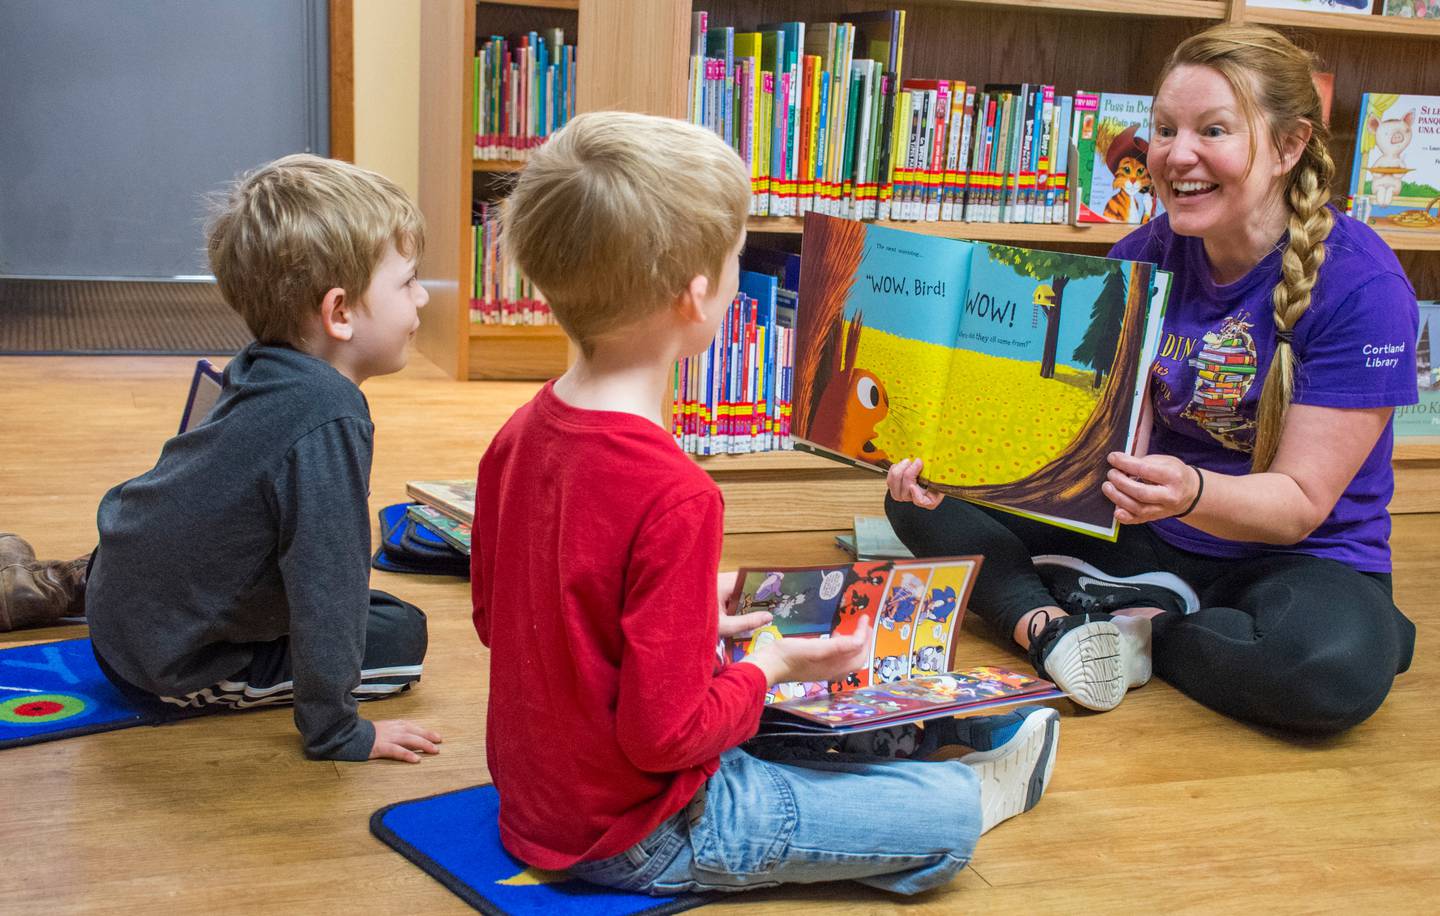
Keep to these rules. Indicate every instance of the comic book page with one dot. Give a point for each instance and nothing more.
(912, 700)
(913, 609)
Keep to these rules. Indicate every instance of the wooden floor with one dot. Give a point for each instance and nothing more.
(1158, 806)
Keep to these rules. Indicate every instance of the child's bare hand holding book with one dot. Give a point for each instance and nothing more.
(785, 660)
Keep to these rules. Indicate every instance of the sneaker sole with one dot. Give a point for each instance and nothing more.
(1168, 581)
(1013, 779)
(1088, 665)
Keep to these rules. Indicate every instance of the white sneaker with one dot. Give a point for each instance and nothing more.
(1014, 775)
(1094, 658)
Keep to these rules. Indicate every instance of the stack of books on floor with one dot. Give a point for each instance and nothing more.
(445, 507)
(873, 539)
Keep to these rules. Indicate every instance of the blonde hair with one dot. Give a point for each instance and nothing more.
(614, 216)
(285, 234)
(1271, 77)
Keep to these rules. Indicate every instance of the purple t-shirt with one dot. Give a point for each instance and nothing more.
(1354, 347)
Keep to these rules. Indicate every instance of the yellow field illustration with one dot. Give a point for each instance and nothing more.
(985, 443)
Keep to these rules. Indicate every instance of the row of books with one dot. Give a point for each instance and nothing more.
(524, 91)
(1409, 9)
(500, 293)
(825, 121)
(734, 398)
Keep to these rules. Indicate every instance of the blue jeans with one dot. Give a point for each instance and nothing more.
(899, 825)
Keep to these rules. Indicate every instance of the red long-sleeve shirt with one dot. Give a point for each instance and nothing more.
(596, 543)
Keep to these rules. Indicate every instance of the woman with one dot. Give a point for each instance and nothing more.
(1273, 510)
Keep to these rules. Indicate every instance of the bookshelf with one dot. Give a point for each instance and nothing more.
(451, 179)
(635, 57)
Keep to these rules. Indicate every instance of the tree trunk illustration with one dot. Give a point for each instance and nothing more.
(829, 264)
(1052, 329)
(1070, 484)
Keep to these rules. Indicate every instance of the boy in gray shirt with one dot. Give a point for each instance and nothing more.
(235, 573)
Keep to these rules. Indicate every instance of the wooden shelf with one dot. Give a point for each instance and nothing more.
(515, 331)
(1345, 22)
(1096, 233)
(1179, 9)
(537, 4)
(497, 165)
(1426, 449)
(767, 461)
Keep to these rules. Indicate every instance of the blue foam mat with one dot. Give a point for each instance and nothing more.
(56, 690)
(454, 837)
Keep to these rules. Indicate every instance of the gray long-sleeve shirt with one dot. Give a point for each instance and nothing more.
(252, 526)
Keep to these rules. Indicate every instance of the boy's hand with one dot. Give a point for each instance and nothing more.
(397, 739)
(901, 480)
(735, 625)
(813, 659)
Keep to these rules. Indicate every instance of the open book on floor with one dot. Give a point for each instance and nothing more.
(914, 609)
(1011, 372)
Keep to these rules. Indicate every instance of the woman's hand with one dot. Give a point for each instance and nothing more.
(901, 480)
(1150, 488)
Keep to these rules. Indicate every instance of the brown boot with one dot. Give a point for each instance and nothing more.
(34, 594)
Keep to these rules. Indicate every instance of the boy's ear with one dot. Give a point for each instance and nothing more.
(335, 315)
(691, 302)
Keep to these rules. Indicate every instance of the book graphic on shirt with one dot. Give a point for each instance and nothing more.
(1116, 183)
(455, 532)
(1420, 422)
(893, 596)
(456, 498)
(1011, 372)
(912, 700)
(1225, 369)
(1395, 181)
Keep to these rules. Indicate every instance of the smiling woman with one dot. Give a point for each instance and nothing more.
(1255, 571)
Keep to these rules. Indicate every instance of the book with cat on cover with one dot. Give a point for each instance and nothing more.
(913, 609)
(1115, 148)
(1011, 372)
(1362, 7)
(456, 498)
(1395, 180)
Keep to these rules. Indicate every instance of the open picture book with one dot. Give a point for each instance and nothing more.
(1011, 372)
(914, 608)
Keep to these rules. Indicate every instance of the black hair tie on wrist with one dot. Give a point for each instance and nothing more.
(1285, 335)
(1199, 491)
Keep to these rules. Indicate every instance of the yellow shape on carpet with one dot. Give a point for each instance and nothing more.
(535, 876)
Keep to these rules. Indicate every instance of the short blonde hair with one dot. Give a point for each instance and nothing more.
(288, 232)
(617, 213)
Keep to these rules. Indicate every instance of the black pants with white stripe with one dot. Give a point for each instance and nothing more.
(395, 643)
(1291, 641)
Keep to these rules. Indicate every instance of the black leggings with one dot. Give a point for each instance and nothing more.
(1287, 640)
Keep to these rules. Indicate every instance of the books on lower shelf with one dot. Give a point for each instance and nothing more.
(1010, 372)
(499, 292)
(455, 498)
(455, 532)
(1395, 179)
(1417, 422)
(734, 398)
(873, 539)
